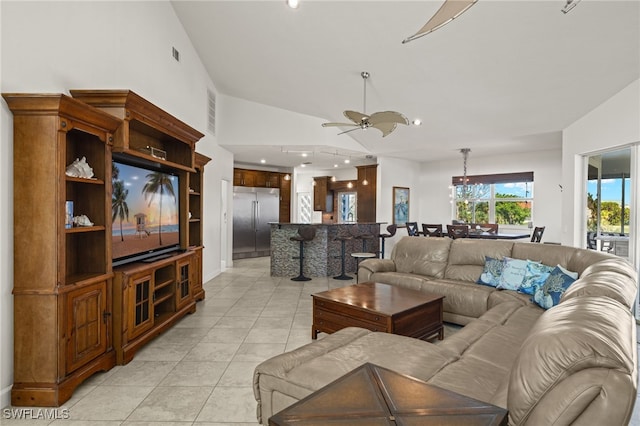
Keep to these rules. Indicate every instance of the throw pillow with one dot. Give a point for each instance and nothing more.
(535, 276)
(513, 274)
(548, 294)
(491, 273)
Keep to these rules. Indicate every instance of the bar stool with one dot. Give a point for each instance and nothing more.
(391, 231)
(359, 257)
(305, 233)
(364, 237)
(343, 239)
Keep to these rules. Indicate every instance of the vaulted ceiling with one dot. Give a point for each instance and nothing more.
(505, 77)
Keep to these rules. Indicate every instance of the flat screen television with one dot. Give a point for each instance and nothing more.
(145, 206)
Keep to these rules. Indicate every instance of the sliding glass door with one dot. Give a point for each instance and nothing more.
(609, 201)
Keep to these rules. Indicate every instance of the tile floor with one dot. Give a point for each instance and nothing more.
(200, 371)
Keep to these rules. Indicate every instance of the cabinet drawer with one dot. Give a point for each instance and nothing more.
(321, 316)
(341, 309)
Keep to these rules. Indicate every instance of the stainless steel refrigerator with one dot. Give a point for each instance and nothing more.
(253, 209)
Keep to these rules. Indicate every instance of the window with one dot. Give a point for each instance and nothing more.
(504, 199)
(347, 202)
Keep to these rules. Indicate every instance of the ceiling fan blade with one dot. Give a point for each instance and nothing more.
(339, 125)
(385, 128)
(350, 130)
(388, 117)
(449, 11)
(356, 117)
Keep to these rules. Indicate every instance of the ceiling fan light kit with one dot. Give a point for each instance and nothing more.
(385, 121)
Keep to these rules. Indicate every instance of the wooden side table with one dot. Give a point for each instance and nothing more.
(373, 395)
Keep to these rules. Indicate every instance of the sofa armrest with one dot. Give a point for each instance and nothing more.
(369, 267)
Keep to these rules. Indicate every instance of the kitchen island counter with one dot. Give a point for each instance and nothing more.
(322, 254)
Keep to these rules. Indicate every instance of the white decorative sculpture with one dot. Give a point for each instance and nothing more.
(80, 168)
(82, 220)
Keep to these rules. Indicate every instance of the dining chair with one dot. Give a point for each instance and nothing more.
(412, 229)
(457, 231)
(431, 230)
(592, 243)
(537, 234)
(491, 228)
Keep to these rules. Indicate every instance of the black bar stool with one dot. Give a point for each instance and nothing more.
(391, 231)
(305, 233)
(343, 239)
(364, 237)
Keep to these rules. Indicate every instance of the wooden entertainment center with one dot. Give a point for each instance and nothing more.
(74, 312)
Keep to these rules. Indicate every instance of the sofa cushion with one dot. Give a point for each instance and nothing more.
(491, 272)
(467, 257)
(548, 254)
(294, 375)
(578, 359)
(602, 283)
(484, 363)
(559, 280)
(464, 297)
(422, 256)
(498, 297)
(401, 279)
(618, 264)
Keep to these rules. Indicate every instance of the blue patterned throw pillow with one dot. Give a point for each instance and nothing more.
(549, 294)
(535, 276)
(512, 274)
(491, 273)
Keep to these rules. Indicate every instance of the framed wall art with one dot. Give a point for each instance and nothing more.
(400, 206)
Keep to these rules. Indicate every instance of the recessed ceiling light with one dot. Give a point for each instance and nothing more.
(293, 4)
(347, 161)
(303, 165)
(304, 154)
(417, 122)
(335, 165)
(263, 161)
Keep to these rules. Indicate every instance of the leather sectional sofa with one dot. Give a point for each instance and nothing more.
(572, 364)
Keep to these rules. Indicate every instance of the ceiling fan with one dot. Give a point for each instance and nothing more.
(385, 121)
(449, 11)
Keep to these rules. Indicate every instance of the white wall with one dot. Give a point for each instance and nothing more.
(396, 172)
(429, 184)
(435, 179)
(57, 46)
(614, 123)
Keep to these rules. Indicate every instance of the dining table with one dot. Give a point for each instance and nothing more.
(498, 235)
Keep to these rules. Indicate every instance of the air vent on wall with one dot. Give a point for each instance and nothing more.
(175, 54)
(211, 108)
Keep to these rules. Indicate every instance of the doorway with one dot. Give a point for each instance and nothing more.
(609, 202)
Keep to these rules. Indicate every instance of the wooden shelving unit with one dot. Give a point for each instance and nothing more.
(196, 204)
(62, 276)
(150, 133)
(74, 314)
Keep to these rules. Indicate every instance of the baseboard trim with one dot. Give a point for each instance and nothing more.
(5, 397)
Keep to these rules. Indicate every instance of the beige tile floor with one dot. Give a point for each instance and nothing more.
(200, 371)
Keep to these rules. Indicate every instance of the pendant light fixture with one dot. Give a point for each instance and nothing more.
(365, 181)
(465, 155)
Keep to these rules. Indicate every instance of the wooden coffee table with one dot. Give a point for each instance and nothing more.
(378, 307)
(372, 395)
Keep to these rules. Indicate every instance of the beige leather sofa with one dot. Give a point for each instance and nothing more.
(573, 364)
